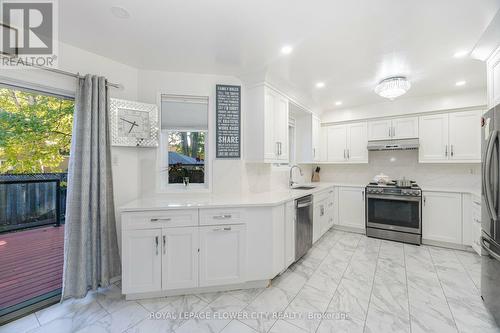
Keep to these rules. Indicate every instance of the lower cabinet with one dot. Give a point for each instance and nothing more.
(351, 207)
(319, 218)
(442, 217)
(222, 255)
(141, 260)
(180, 258)
(289, 233)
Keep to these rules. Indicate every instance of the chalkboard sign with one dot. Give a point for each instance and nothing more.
(228, 121)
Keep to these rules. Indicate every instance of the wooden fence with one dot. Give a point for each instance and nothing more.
(31, 200)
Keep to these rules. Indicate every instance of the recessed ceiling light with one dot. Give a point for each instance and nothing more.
(287, 49)
(320, 84)
(120, 12)
(338, 103)
(460, 83)
(460, 54)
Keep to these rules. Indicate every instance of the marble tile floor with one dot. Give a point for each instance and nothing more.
(346, 283)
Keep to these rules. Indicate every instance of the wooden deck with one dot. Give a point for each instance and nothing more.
(31, 264)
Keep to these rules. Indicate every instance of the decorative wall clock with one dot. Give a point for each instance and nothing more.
(133, 124)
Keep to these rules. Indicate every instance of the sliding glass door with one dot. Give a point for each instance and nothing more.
(35, 139)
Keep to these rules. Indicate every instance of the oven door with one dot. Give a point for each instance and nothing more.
(393, 212)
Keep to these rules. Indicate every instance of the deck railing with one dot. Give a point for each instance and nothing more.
(31, 200)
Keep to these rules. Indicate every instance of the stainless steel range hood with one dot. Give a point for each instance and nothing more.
(402, 144)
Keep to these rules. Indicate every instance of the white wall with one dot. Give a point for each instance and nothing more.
(125, 171)
(429, 103)
(399, 164)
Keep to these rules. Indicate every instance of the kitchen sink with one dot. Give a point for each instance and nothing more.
(303, 187)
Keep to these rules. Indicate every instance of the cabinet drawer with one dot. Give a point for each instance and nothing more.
(215, 216)
(159, 219)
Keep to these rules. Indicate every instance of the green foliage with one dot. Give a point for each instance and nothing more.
(35, 131)
(188, 143)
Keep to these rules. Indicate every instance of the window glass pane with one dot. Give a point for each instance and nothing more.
(184, 112)
(186, 157)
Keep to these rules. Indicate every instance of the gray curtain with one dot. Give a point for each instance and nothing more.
(91, 256)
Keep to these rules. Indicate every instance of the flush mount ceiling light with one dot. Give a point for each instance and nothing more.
(393, 87)
(120, 12)
(320, 85)
(460, 83)
(287, 49)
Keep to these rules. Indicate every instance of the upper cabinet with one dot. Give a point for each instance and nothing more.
(347, 143)
(266, 129)
(493, 78)
(450, 138)
(389, 129)
(316, 135)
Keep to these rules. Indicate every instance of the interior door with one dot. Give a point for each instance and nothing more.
(222, 254)
(379, 130)
(405, 128)
(433, 136)
(357, 141)
(465, 135)
(180, 258)
(337, 143)
(141, 251)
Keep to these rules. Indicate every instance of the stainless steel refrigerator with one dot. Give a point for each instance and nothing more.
(490, 211)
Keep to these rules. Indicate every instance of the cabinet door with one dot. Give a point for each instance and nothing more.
(442, 217)
(493, 78)
(281, 127)
(289, 233)
(330, 211)
(405, 128)
(433, 137)
(465, 135)
(270, 144)
(141, 261)
(180, 258)
(319, 219)
(379, 129)
(316, 128)
(357, 140)
(352, 207)
(337, 143)
(222, 255)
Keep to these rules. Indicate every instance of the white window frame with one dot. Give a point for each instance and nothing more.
(163, 185)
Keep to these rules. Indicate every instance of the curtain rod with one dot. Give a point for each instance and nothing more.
(60, 71)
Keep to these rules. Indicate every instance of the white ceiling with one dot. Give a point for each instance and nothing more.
(348, 44)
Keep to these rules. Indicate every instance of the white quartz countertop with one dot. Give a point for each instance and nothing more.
(208, 200)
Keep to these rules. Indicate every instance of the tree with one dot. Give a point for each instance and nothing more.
(35, 131)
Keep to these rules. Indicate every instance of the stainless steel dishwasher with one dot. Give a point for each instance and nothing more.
(303, 225)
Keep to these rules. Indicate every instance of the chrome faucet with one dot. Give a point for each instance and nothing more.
(290, 179)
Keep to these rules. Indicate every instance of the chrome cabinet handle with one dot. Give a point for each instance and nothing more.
(222, 229)
(314, 152)
(390, 132)
(344, 154)
(156, 244)
(424, 200)
(393, 131)
(164, 244)
(222, 217)
(451, 150)
(321, 210)
(166, 219)
(363, 195)
(446, 150)
(348, 154)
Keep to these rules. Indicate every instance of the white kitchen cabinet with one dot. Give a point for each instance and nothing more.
(222, 255)
(347, 143)
(433, 137)
(493, 78)
(389, 129)
(141, 260)
(450, 138)
(442, 217)
(289, 233)
(351, 207)
(316, 134)
(180, 258)
(465, 136)
(266, 126)
(319, 218)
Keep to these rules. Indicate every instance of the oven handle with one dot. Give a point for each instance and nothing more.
(394, 197)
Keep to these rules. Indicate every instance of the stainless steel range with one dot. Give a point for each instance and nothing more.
(394, 212)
